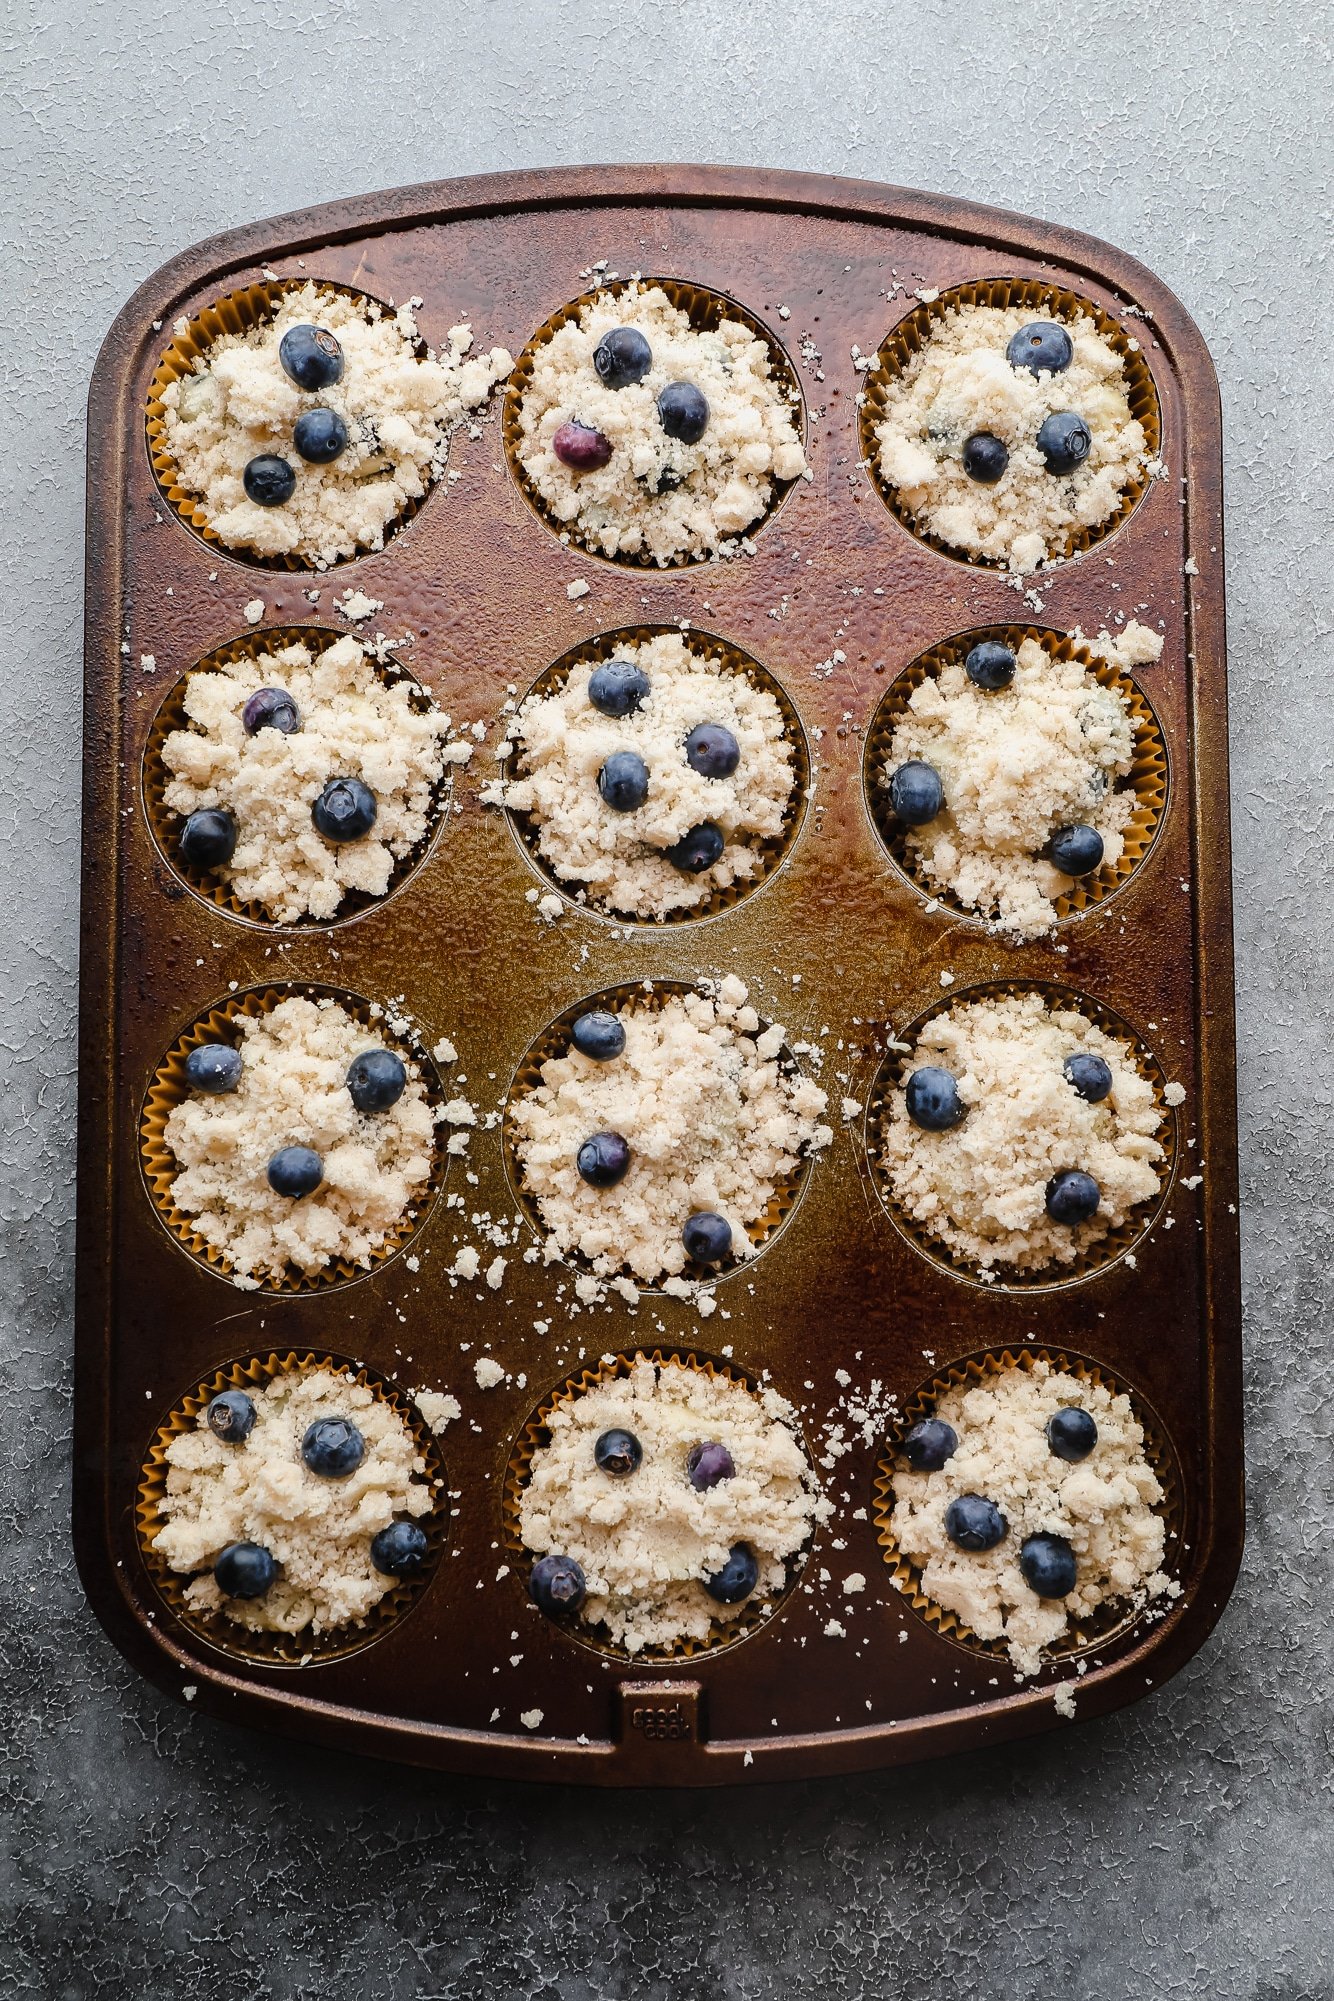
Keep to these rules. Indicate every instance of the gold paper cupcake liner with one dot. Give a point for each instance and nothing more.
(555, 1041)
(1097, 1254)
(772, 852)
(165, 825)
(704, 308)
(239, 313)
(723, 1633)
(1114, 1617)
(910, 336)
(283, 1649)
(169, 1088)
(1147, 777)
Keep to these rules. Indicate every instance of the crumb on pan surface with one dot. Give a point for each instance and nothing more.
(645, 1542)
(399, 408)
(980, 1187)
(317, 1530)
(656, 494)
(1107, 1506)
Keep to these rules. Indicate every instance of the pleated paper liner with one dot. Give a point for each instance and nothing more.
(1097, 1253)
(555, 1041)
(239, 313)
(535, 1433)
(169, 1088)
(166, 825)
(911, 334)
(1112, 1618)
(1147, 777)
(705, 309)
(306, 1647)
(772, 852)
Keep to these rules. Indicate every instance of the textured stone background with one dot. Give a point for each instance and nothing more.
(1182, 1848)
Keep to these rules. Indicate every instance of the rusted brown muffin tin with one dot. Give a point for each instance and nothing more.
(479, 580)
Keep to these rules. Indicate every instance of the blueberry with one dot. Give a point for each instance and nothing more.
(618, 1453)
(345, 810)
(712, 751)
(270, 709)
(556, 1585)
(929, 1444)
(1076, 850)
(985, 457)
(1065, 441)
(932, 1099)
(1048, 1564)
(621, 357)
(1072, 1433)
(623, 781)
(707, 1464)
(311, 357)
(683, 412)
(295, 1171)
(990, 665)
(1089, 1075)
(319, 435)
(1043, 347)
(603, 1160)
(973, 1523)
(916, 793)
(230, 1416)
(1072, 1197)
(269, 480)
(244, 1570)
(697, 850)
(214, 1067)
(333, 1447)
(376, 1080)
(580, 447)
(400, 1549)
(707, 1237)
(737, 1578)
(598, 1035)
(208, 838)
(617, 687)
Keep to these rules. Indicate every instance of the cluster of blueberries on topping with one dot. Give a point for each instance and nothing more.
(311, 358)
(623, 357)
(557, 1583)
(604, 1158)
(932, 1099)
(618, 688)
(332, 1448)
(1064, 439)
(344, 811)
(375, 1080)
(974, 1523)
(917, 796)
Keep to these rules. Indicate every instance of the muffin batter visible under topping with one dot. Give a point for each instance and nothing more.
(656, 483)
(981, 1186)
(293, 1093)
(961, 385)
(711, 1122)
(1016, 764)
(618, 858)
(318, 1530)
(397, 412)
(1102, 1505)
(646, 1539)
(352, 723)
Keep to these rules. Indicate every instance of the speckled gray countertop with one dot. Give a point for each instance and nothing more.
(1183, 1847)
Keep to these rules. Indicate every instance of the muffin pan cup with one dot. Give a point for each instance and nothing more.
(843, 1311)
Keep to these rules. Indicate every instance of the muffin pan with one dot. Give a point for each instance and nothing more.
(845, 1312)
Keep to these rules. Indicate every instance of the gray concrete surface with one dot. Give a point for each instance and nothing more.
(1183, 1848)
